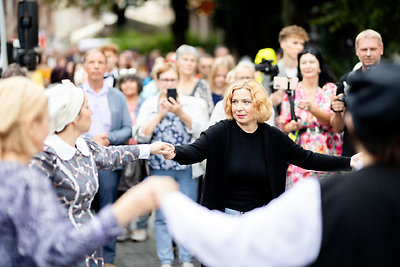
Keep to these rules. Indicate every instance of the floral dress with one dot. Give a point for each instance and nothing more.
(73, 173)
(313, 135)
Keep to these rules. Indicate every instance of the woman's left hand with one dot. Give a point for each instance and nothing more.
(305, 105)
(174, 106)
(169, 154)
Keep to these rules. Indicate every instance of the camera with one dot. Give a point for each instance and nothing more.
(342, 88)
(266, 67)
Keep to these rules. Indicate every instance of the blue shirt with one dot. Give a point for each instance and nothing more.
(98, 103)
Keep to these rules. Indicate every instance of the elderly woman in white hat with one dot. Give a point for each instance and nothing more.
(71, 161)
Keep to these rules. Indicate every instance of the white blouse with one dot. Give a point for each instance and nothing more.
(286, 232)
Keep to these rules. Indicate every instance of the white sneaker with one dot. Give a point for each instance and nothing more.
(124, 236)
(166, 265)
(139, 235)
(187, 264)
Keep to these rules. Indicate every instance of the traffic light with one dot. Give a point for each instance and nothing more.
(28, 24)
(28, 33)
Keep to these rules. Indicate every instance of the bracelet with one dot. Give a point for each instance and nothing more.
(335, 110)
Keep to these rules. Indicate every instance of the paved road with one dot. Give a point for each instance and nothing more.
(141, 254)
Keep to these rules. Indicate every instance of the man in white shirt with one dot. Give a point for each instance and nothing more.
(348, 220)
(292, 40)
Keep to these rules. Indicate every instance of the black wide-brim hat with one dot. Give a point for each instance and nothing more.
(374, 102)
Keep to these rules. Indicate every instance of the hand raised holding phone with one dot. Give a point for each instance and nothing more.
(173, 103)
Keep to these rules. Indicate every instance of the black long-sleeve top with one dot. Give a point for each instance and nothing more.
(216, 145)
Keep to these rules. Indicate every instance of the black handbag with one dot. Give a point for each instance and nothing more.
(133, 173)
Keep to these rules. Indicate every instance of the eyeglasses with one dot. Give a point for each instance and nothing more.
(129, 71)
(168, 80)
(244, 78)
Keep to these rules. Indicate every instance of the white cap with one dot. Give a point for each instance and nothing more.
(65, 103)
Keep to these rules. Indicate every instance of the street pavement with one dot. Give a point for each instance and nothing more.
(141, 254)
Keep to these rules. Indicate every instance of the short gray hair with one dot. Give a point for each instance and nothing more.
(369, 34)
(186, 49)
(14, 69)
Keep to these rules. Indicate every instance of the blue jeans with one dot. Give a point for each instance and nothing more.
(108, 183)
(188, 186)
(142, 222)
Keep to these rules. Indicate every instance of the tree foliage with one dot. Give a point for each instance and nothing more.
(254, 24)
(339, 22)
(97, 5)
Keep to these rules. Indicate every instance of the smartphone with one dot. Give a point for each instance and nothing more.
(284, 83)
(171, 92)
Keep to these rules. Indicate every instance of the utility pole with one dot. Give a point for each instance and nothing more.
(3, 41)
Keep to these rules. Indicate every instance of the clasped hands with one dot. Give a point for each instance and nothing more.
(167, 150)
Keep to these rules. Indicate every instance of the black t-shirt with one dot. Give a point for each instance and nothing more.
(248, 185)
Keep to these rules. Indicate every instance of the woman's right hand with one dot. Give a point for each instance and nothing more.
(169, 153)
(143, 198)
(162, 107)
(160, 187)
(338, 105)
(292, 126)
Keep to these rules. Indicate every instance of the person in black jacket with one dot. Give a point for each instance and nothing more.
(348, 220)
(247, 159)
(369, 49)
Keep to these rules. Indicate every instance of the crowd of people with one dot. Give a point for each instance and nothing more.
(78, 142)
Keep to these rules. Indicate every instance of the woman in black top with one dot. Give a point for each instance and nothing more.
(247, 159)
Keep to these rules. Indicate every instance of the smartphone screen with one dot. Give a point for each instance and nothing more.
(284, 83)
(280, 83)
(171, 92)
(293, 82)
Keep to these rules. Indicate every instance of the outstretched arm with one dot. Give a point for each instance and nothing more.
(115, 156)
(287, 232)
(142, 198)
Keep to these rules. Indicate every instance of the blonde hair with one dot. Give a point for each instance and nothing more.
(166, 67)
(369, 34)
(21, 100)
(261, 103)
(220, 62)
(230, 77)
(293, 31)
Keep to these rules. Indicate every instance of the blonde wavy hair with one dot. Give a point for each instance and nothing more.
(21, 100)
(261, 103)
